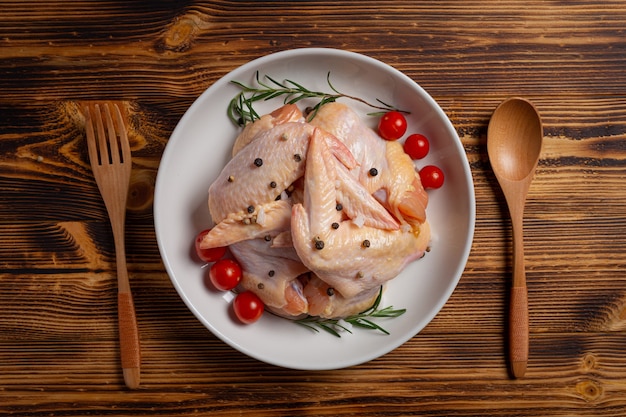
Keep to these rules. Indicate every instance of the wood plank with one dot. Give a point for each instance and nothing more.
(451, 375)
(530, 50)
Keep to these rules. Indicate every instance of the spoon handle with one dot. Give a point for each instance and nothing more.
(518, 314)
(518, 331)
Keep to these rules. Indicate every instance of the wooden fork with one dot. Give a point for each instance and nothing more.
(109, 153)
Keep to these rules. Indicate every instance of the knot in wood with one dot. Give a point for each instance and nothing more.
(140, 191)
(590, 390)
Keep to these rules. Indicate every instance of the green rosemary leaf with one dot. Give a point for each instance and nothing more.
(251, 112)
(274, 81)
(307, 325)
(383, 103)
(345, 329)
(363, 323)
(374, 306)
(241, 85)
(361, 320)
(233, 115)
(298, 86)
(274, 95)
(371, 325)
(263, 96)
(241, 111)
(318, 106)
(294, 100)
(388, 312)
(376, 113)
(329, 329)
(332, 87)
(255, 97)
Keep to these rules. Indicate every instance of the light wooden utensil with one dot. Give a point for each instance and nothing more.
(109, 154)
(514, 139)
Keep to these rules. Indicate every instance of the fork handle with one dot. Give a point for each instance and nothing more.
(129, 339)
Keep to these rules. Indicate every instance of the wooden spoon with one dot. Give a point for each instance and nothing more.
(514, 143)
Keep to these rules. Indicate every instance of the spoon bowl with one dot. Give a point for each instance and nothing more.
(514, 140)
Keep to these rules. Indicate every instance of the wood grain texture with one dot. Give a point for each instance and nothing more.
(58, 332)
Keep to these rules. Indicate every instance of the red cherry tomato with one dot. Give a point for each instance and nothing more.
(208, 255)
(416, 146)
(431, 176)
(248, 307)
(392, 125)
(225, 274)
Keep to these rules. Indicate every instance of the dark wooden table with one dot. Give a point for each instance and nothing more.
(58, 327)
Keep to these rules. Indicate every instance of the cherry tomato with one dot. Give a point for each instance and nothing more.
(225, 274)
(416, 146)
(392, 125)
(248, 307)
(208, 255)
(431, 176)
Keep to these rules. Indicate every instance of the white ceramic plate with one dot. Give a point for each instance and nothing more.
(200, 146)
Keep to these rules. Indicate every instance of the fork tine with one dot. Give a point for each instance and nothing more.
(106, 135)
(92, 144)
(103, 147)
(113, 148)
(121, 133)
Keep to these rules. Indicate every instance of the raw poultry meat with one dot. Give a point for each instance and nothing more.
(315, 229)
(397, 185)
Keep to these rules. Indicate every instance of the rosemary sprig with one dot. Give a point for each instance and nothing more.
(241, 109)
(362, 320)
